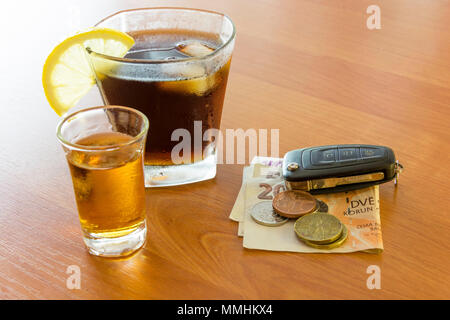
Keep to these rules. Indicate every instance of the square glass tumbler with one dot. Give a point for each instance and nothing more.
(182, 95)
(104, 147)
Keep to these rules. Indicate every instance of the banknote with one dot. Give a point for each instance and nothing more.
(238, 210)
(359, 210)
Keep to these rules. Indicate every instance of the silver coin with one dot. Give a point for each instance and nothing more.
(321, 206)
(263, 213)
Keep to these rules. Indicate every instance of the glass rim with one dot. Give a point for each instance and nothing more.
(149, 61)
(112, 147)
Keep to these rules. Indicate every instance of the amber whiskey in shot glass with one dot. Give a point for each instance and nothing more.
(105, 148)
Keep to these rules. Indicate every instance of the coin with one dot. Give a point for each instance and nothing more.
(332, 245)
(263, 213)
(318, 228)
(294, 203)
(321, 206)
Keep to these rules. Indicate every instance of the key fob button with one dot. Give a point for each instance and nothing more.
(321, 157)
(348, 154)
(372, 153)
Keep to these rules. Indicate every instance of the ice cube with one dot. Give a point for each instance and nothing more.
(195, 49)
(192, 70)
(194, 78)
(198, 86)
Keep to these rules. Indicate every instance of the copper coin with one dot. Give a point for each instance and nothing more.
(294, 203)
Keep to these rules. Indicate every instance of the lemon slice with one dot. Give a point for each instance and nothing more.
(67, 74)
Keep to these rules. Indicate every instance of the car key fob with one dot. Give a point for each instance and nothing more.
(338, 168)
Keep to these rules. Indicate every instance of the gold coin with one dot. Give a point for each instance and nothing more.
(263, 213)
(318, 228)
(332, 245)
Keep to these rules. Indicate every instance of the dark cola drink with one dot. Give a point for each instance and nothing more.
(178, 96)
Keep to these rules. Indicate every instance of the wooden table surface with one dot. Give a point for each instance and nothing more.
(310, 68)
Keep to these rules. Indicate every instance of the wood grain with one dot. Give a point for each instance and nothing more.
(310, 68)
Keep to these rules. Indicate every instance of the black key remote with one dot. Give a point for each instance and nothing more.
(339, 168)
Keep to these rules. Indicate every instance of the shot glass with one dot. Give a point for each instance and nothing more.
(104, 147)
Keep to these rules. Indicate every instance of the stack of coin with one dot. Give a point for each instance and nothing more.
(321, 230)
(314, 226)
